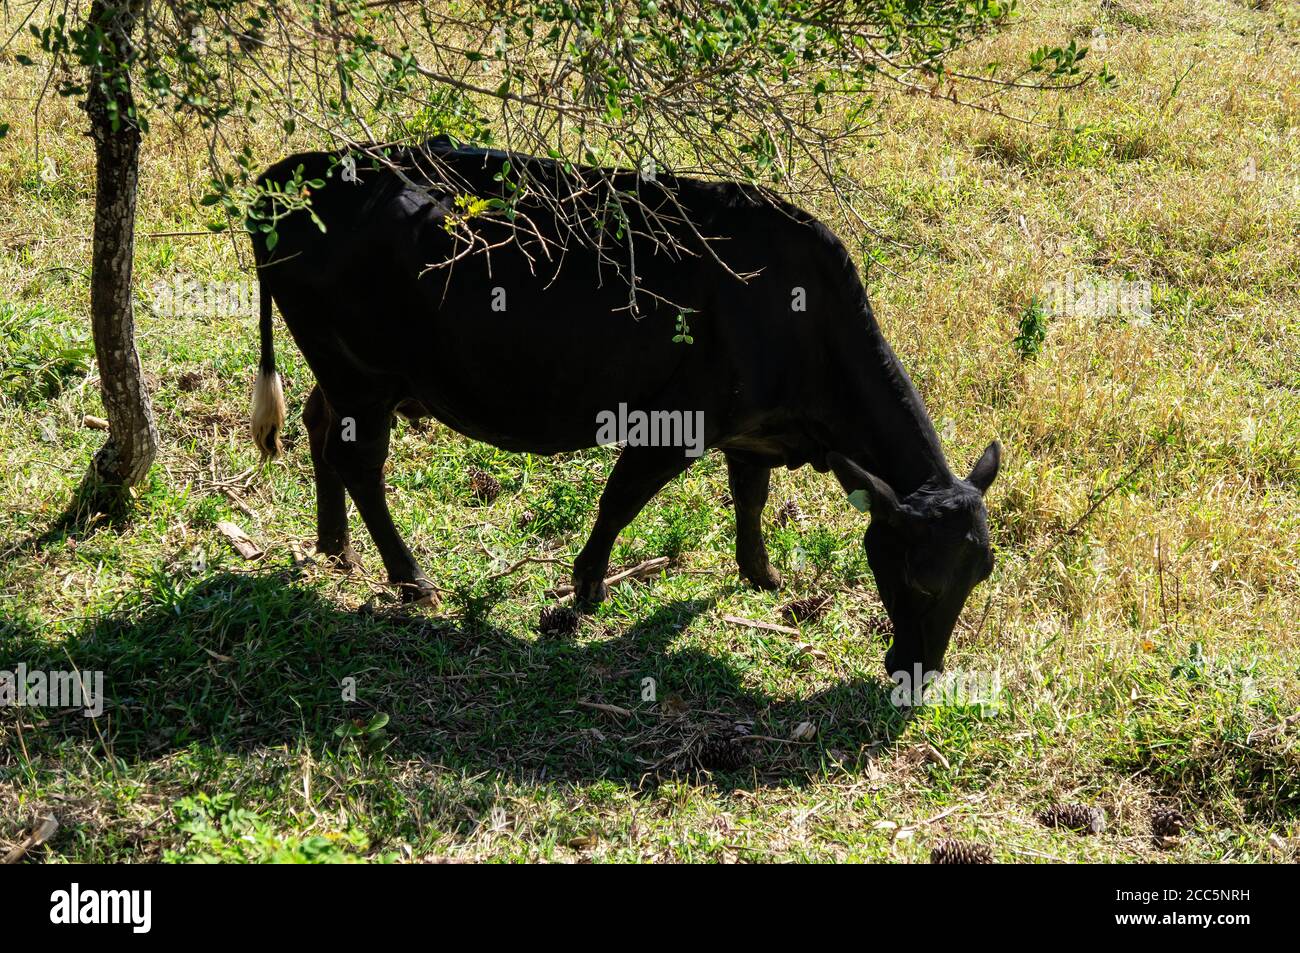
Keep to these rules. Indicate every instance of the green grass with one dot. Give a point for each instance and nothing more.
(1147, 527)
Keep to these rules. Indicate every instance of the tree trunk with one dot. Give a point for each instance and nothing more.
(125, 458)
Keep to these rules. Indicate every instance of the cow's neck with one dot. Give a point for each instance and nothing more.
(892, 435)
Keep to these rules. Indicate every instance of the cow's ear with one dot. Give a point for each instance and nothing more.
(867, 492)
(986, 467)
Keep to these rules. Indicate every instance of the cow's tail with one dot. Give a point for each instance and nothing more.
(268, 395)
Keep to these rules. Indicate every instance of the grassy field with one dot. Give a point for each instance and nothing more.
(1142, 616)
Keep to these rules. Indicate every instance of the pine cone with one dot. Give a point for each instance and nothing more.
(789, 513)
(806, 610)
(558, 620)
(1074, 817)
(1167, 823)
(720, 753)
(484, 485)
(961, 852)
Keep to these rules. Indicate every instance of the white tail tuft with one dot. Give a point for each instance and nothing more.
(268, 414)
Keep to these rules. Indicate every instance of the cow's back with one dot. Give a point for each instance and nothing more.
(516, 328)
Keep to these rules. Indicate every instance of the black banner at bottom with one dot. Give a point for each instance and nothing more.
(139, 904)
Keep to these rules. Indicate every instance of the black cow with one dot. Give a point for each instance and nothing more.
(493, 290)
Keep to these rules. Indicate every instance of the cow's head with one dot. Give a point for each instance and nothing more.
(927, 551)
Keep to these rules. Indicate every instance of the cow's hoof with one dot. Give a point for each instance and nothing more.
(418, 593)
(344, 560)
(767, 578)
(589, 593)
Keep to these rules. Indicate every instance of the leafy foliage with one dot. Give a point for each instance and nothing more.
(218, 830)
(1032, 331)
(40, 351)
(769, 91)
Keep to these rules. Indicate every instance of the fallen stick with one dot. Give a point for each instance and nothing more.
(755, 624)
(517, 564)
(237, 502)
(239, 540)
(641, 570)
(607, 709)
(42, 832)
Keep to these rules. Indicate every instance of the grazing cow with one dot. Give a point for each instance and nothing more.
(492, 291)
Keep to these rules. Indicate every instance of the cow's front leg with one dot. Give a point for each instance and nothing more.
(639, 474)
(331, 497)
(356, 446)
(749, 485)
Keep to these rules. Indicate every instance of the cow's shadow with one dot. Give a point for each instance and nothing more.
(250, 662)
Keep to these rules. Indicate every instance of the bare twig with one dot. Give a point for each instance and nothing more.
(520, 563)
(649, 567)
(607, 709)
(43, 831)
(755, 624)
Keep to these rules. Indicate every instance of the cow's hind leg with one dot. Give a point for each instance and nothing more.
(331, 497)
(356, 446)
(639, 474)
(749, 484)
